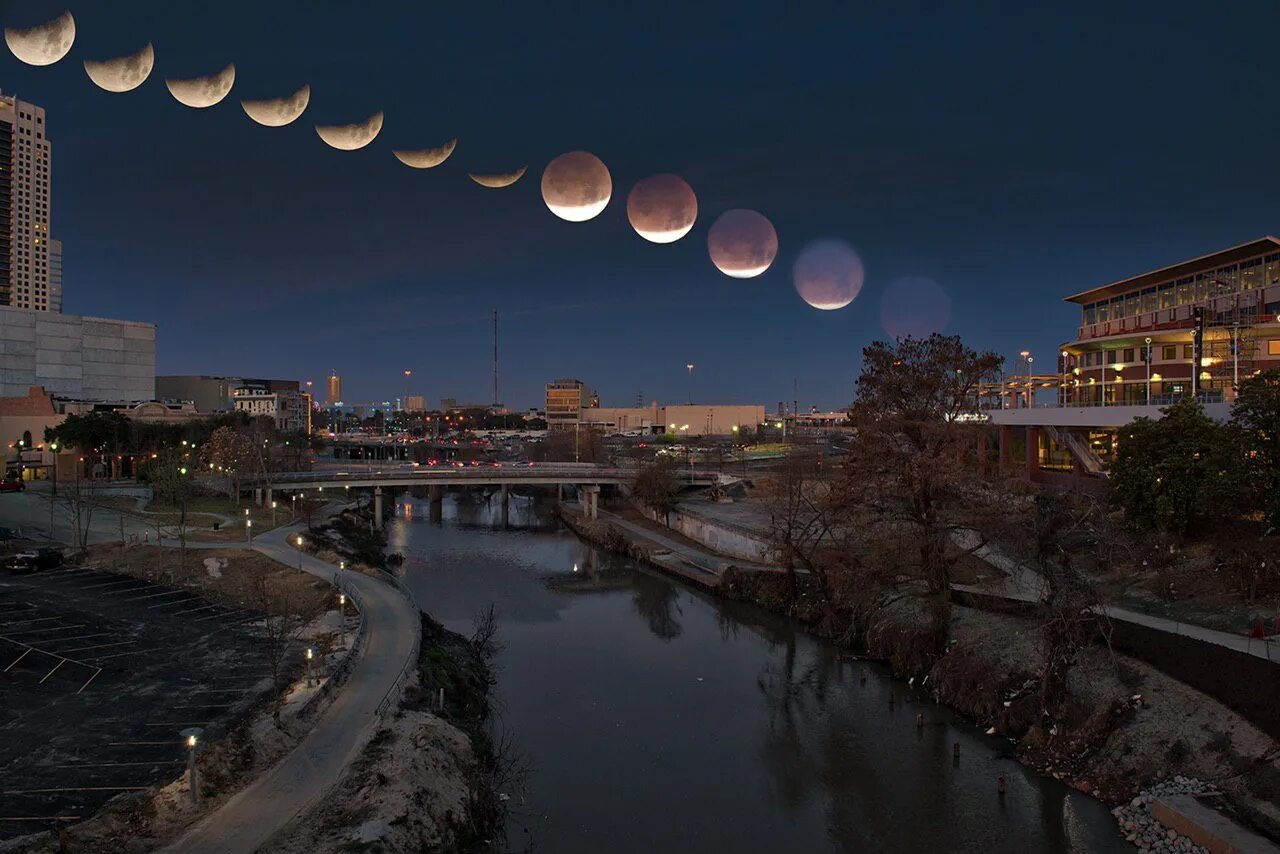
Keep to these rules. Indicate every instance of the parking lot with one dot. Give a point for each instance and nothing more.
(98, 674)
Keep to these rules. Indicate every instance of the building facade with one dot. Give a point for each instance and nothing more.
(31, 271)
(212, 395)
(289, 409)
(565, 401)
(80, 358)
(334, 390)
(1196, 327)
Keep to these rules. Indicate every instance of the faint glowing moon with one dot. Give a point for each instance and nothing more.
(353, 136)
(576, 186)
(915, 307)
(662, 208)
(426, 158)
(124, 73)
(497, 180)
(202, 92)
(44, 44)
(278, 112)
(742, 243)
(828, 274)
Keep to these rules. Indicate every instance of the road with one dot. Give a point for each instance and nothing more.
(255, 814)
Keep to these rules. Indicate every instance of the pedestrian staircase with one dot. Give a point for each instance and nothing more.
(1079, 449)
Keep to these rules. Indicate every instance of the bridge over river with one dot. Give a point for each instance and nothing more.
(588, 478)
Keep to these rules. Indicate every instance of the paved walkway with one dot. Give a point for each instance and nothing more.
(255, 814)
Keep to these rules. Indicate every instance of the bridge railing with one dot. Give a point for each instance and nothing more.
(568, 472)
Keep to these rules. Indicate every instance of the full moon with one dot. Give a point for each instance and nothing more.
(44, 44)
(351, 137)
(202, 92)
(662, 208)
(124, 73)
(426, 158)
(497, 180)
(742, 243)
(828, 274)
(278, 112)
(576, 186)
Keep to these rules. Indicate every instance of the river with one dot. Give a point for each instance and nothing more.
(658, 718)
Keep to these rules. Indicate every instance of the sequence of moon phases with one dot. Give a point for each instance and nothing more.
(124, 73)
(44, 44)
(497, 180)
(278, 112)
(662, 208)
(828, 274)
(202, 92)
(742, 243)
(351, 137)
(576, 186)
(426, 158)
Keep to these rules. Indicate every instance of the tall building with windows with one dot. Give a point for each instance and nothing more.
(30, 261)
(565, 401)
(335, 390)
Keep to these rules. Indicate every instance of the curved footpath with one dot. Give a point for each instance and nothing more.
(255, 814)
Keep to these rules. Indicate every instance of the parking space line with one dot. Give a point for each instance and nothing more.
(171, 604)
(25, 653)
(40, 817)
(107, 584)
(100, 646)
(7, 626)
(97, 658)
(193, 610)
(173, 742)
(78, 789)
(51, 629)
(90, 679)
(55, 669)
(124, 764)
(154, 595)
(181, 723)
(78, 638)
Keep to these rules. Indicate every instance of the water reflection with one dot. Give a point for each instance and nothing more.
(659, 718)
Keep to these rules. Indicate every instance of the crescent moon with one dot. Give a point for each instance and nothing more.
(498, 180)
(202, 92)
(426, 158)
(278, 112)
(353, 136)
(124, 73)
(44, 44)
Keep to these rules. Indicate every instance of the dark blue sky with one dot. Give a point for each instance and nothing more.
(1013, 155)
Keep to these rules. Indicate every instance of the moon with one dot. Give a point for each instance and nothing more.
(278, 112)
(353, 136)
(497, 180)
(662, 208)
(426, 158)
(124, 73)
(202, 92)
(576, 186)
(44, 44)
(742, 243)
(828, 274)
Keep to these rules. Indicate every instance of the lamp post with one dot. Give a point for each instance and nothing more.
(1235, 355)
(273, 514)
(310, 655)
(191, 738)
(1030, 387)
(248, 529)
(689, 368)
(53, 446)
(1025, 357)
(342, 618)
(1064, 379)
(299, 542)
(1104, 376)
(1147, 356)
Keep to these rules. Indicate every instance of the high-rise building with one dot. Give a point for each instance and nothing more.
(415, 403)
(335, 390)
(30, 262)
(566, 398)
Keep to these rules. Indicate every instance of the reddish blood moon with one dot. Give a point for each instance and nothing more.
(742, 243)
(576, 186)
(828, 274)
(662, 208)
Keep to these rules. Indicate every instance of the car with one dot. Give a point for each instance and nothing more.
(21, 562)
(12, 484)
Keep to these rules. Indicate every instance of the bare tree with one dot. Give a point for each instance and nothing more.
(173, 483)
(657, 487)
(283, 622)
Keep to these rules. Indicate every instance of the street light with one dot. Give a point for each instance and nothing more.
(53, 446)
(310, 654)
(689, 367)
(1147, 357)
(191, 738)
(248, 529)
(273, 514)
(342, 617)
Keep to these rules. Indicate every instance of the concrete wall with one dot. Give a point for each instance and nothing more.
(84, 358)
(722, 538)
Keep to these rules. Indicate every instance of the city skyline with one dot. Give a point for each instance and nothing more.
(897, 145)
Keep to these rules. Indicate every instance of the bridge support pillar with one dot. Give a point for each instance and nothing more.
(590, 501)
(377, 508)
(435, 494)
(506, 505)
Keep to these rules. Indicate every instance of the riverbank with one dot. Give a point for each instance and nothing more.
(1125, 726)
(426, 781)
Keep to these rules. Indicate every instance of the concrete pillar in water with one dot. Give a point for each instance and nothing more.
(435, 494)
(377, 507)
(506, 505)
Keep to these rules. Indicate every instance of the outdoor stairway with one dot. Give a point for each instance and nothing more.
(1078, 448)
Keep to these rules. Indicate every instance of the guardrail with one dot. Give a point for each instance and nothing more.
(567, 472)
(397, 687)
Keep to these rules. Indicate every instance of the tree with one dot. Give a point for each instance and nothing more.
(1175, 473)
(1255, 419)
(913, 470)
(809, 519)
(657, 487)
(173, 479)
(230, 450)
(283, 623)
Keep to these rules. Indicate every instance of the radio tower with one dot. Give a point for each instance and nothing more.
(496, 399)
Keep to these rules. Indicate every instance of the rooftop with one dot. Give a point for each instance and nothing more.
(1195, 265)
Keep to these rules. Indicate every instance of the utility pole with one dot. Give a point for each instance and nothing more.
(496, 399)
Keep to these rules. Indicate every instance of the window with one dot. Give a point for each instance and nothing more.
(1169, 352)
(1111, 356)
(1188, 351)
(1167, 296)
(1273, 347)
(1128, 355)
(1149, 301)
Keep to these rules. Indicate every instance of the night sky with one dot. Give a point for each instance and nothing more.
(1012, 156)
